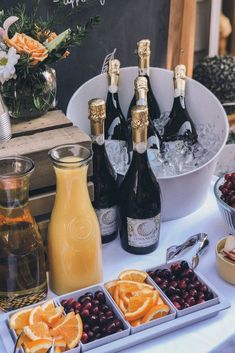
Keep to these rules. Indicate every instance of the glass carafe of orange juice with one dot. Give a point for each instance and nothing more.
(22, 261)
(74, 240)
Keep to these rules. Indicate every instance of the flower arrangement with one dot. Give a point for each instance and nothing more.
(29, 45)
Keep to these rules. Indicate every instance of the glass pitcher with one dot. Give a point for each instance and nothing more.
(22, 261)
(74, 241)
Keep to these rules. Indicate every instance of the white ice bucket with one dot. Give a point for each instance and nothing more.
(181, 194)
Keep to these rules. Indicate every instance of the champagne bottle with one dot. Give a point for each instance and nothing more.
(139, 200)
(144, 52)
(179, 126)
(116, 131)
(105, 188)
(141, 90)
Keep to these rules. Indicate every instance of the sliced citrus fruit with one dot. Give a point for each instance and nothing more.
(133, 275)
(37, 331)
(70, 329)
(49, 304)
(160, 301)
(35, 315)
(20, 319)
(110, 286)
(38, 345)
(155, 312)
(122, 306)
(138, 306)
(116, 294)
(51, 316)
(125, 297)
(131, 286)
(60, 342)
(135, 323)
(58, 350)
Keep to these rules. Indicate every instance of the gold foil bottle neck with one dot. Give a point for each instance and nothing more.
(97, 115)
(139, 123)
(141, 83)
(114, 72)
(144, 52)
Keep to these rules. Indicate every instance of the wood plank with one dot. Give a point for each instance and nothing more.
(37, 146)
(181, 34)
(52, 120)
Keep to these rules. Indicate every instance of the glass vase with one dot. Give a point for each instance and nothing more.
(22, 261)
(31, 96)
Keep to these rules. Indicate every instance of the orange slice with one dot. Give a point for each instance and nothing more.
(133, 275)
(49, 304)
(135, 323)
(156, 312)
(37, 331)
(58, 350)
(138, 306)
(160, 301)
(116, 294)
(51, 316)
(39, 345)
(60, 342)
(131, 286)
(70, 329)
(35, 315)
(122, 306)
(110, 286)
(20, 319)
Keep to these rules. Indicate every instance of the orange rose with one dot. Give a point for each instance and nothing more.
(25, 44)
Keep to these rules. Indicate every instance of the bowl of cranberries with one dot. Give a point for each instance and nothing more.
(224, 191)
(185, 288)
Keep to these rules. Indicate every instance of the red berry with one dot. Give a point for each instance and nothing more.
(177, 305)
(84, 338)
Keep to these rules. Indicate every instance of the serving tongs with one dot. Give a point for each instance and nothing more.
(19, 342)
(175, 250)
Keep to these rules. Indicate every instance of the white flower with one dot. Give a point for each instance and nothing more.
(7, 64)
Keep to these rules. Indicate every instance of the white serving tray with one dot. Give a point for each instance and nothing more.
(111, 346)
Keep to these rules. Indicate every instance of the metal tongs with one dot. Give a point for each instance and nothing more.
(176, 250)
(19, 342)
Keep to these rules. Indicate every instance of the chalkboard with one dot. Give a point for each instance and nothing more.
(124, 22)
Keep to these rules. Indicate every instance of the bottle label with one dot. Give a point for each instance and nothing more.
(108, 220)
(184, 128)
(143, 232)
(118, 155)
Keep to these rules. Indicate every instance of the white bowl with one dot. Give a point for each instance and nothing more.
(226, 162)
(184, 193)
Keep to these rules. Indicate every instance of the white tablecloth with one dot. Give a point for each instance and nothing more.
(206, 335)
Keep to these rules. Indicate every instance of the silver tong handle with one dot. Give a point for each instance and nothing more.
(175, 250)
(202, 248)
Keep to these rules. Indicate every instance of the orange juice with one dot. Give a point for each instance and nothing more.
(74, 241)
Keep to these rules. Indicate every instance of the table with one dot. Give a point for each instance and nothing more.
(206, 335)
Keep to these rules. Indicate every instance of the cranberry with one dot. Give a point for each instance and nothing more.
(86, 327)
(197, 284)
(84, 338)
(190, 286)
(182, 284)
(175, 298)
(200, 301)
(102, 320)
(203, 288)
(158, 280)
(99, 295)
(63, 302)
(190, 301)
(151, 274)
(200, 295)
(97, 335)
(185, 306)
(166, 273)
(95, 302)
(118, 324)
(95, 310)
(93, 320)
(85, 313)
(89, 294)
(189, 273)
(104, 308)
(91, 336)
(176, 268)
(87, 305)
(171, 290)
(96, 329)
(70, 303)
(177, 305)
(193, 292)
(84, 299)
(185, 294)
(209, 295)
(184, 265)
(111, 328)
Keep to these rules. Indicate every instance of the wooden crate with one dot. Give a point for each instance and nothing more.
(34, 138)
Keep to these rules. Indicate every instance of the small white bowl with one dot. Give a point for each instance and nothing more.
(225, 267)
